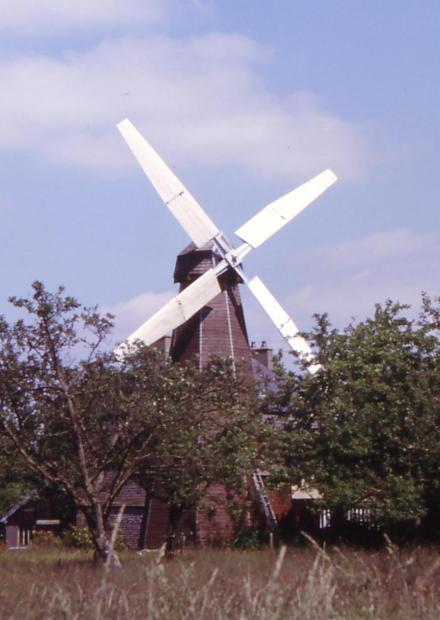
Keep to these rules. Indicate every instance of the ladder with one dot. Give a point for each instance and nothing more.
(269, 514)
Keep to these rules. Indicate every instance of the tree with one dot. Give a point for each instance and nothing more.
(215, 437)
(366, 428)
(84, 421)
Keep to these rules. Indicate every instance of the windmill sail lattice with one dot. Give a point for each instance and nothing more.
(196, 293)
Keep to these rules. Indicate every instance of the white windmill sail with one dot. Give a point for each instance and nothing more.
(283, 322)
(201, 229)
(177, 198)
(177, 311)
(278, 213)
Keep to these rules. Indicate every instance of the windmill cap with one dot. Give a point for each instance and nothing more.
(192, 261)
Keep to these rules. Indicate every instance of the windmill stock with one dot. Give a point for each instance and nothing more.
(202, 230)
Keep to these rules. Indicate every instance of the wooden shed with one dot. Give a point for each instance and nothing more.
(27, 518)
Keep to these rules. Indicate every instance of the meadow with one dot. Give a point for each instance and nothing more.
(306, 583)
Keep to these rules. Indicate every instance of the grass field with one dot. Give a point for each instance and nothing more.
(208, 584)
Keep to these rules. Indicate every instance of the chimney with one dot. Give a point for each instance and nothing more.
(263, 354)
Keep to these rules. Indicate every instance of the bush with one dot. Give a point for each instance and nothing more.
(77, 537)
(248, 539)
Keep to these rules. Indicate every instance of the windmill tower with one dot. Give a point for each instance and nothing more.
(206, 316)
(219, 327)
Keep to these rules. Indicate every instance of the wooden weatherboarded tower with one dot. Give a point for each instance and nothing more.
(219, 327)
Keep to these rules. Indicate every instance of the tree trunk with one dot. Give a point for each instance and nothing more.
(104, 543)
(105, 554)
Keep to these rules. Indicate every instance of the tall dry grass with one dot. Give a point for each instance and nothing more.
(307, 583)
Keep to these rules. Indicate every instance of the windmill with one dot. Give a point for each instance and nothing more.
(222, 270)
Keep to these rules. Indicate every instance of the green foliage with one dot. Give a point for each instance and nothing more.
(248, 539)
(15, 481)
(209, 433)
(80, 419)
(78, 538)
(365, 430)
(11, 493)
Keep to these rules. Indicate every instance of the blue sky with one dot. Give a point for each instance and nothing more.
(244, 100)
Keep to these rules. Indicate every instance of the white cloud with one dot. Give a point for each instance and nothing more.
(130, 314)
(42, 17)
(349, 278)
(395, 265)
(200, 102)
(379, 247)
